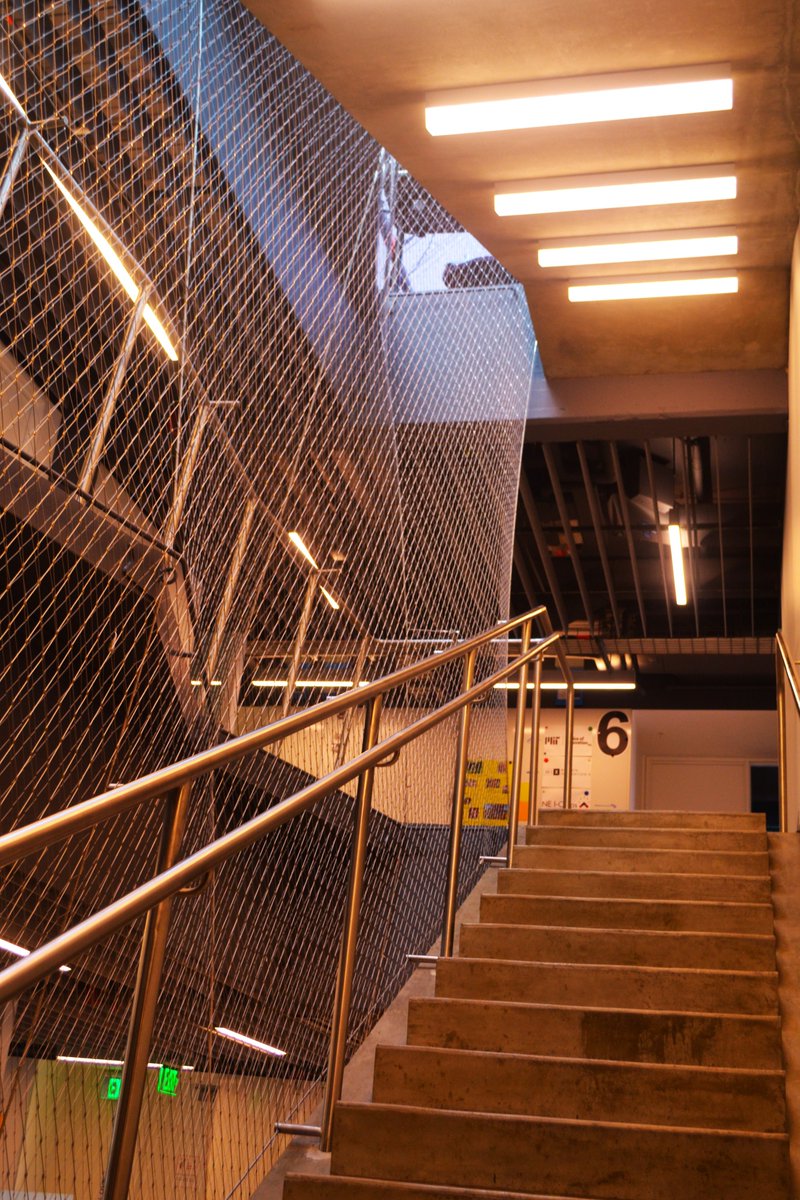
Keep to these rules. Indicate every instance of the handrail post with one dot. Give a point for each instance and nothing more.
(347, 951)
(783, 783)
(143, 1010)
(457, 812)
(536, 723)
(568, 732)
(519, 742)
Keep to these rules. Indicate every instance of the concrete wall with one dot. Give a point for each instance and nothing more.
(699, 759)
(790, 589)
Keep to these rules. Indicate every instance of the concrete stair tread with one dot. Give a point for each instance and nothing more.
(617, 884)
(646, 947)
(651, 837)
(342, 1186)
(699, 916)
(633, 858)
(575, 1088)
(687, 935)
(609, 985)
(662, 818)
(612, 1063)
(541, 1155)
(759, 1018)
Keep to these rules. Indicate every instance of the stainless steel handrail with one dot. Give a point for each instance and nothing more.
(174, 782)
(785, 669)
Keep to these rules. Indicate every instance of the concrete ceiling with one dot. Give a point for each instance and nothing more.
(379, 60)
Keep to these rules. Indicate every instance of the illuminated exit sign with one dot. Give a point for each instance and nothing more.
(168, 1080)
(114, 1087)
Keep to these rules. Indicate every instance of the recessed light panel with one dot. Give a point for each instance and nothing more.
(621, 97)
(712, 283)
(649, 247)
(629, 189)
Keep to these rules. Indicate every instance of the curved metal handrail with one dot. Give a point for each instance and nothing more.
(29, 838)
(785, 669)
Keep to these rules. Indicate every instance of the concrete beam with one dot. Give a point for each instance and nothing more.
(643, 406)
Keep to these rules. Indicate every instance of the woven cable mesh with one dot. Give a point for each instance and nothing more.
(226, 314)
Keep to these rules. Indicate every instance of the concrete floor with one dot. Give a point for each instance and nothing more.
(303, 1154)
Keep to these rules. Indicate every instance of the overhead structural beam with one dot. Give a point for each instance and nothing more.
(626, 521)
(718, 492)
(572, 549)
(597, 523)
(528, 503)
(525, 576)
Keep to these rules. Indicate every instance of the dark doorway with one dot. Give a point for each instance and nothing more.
(764, 793)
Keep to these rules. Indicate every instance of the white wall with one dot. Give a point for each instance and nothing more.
(790, 588)
(699, 759)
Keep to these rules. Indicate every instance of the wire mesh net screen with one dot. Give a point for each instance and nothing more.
(227, 317)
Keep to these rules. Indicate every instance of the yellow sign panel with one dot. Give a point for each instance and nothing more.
(486, 793)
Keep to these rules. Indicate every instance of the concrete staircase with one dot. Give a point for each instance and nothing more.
(609, 1030)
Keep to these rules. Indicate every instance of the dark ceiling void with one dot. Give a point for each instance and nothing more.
(591, 542)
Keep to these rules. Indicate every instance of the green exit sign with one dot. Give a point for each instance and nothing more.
(168, 1080)
(114, 1087)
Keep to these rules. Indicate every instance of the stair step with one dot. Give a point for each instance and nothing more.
(655, 818)
(580, 1089)
(746, 889)
(600, 986)
(536, 1155)
(633, 1036)
(342, 1187)
(634, 947)
(593, 858)
(752, 840)
(701, 916)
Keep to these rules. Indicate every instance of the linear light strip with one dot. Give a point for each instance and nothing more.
(334, 603)
(623, 686)
(107, 1062)
(118, 268)
(233, 1036)
(631, 190)
(21, 952)
(622, 97)
(655, 288)
(638, 250)
(303, 683)
(676, 552)
(299, 544)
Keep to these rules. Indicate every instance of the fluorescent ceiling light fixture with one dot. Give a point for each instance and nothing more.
(21, 952)
(586, 252)
(303, 683)
(233, 1036)
(334, 603)
(625, 189)
(712, 283)
(579, 101)
(118, 268)
(622, 685)
(676, 551)
(297, 541)
(9, 95)
(215, 682)
(196, 682)
(106, 1062)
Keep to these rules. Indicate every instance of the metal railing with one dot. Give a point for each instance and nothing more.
(785, 672)
(173, 784)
